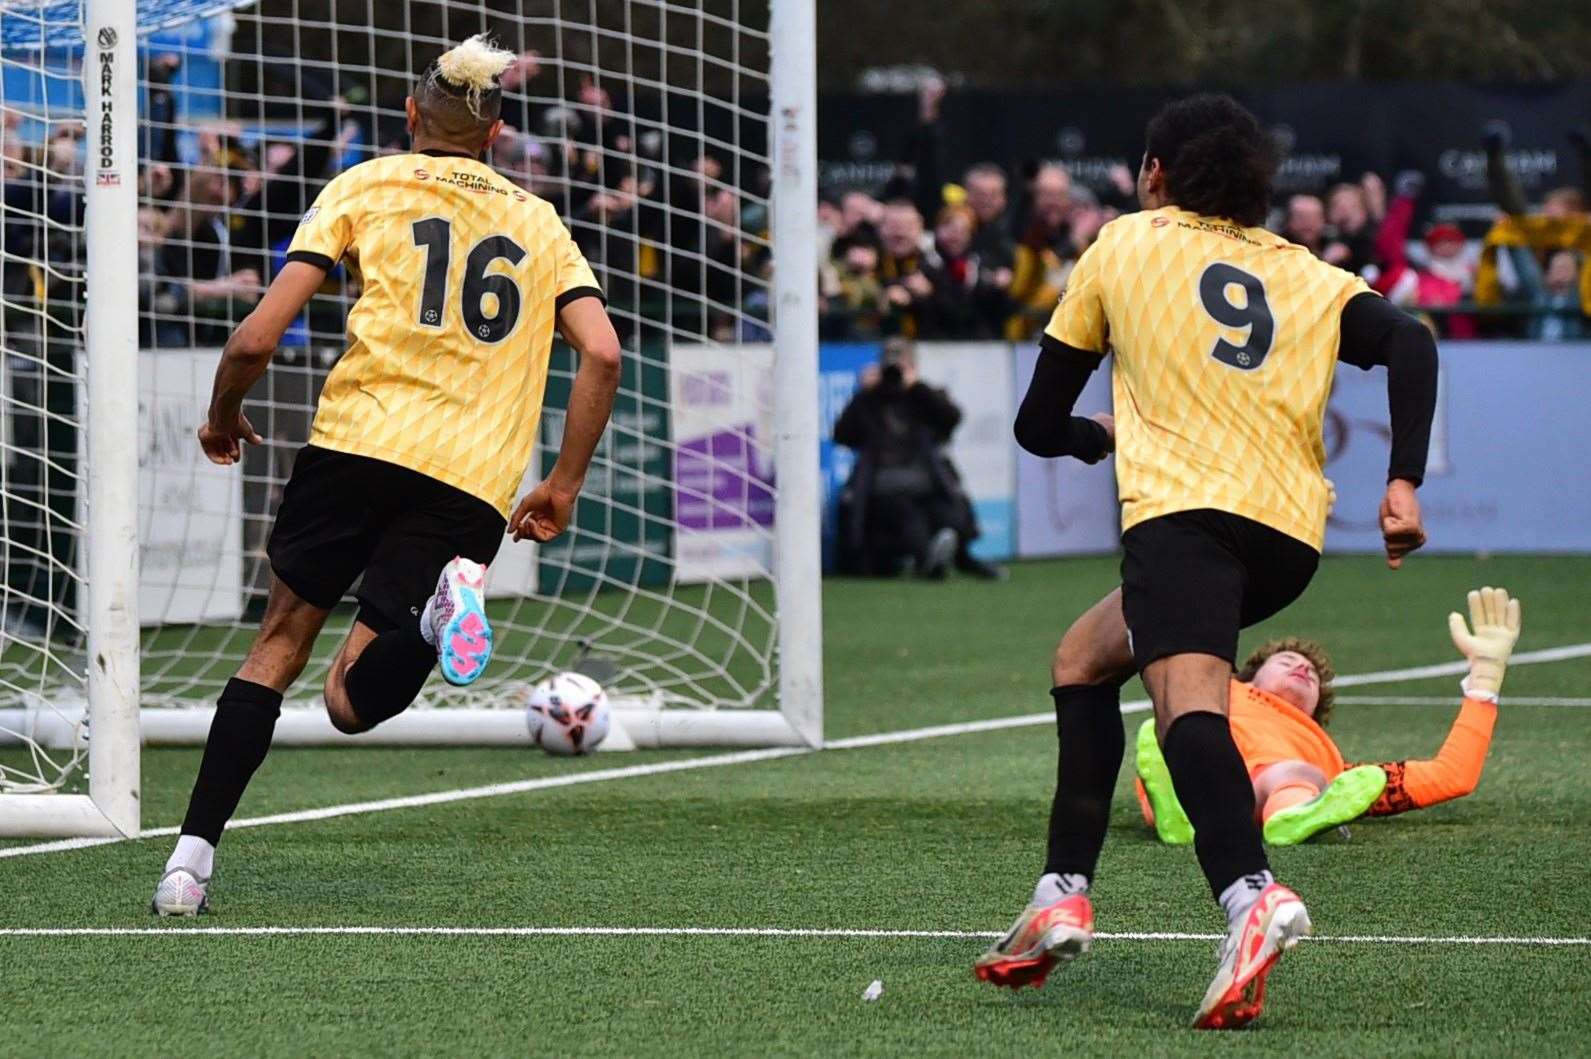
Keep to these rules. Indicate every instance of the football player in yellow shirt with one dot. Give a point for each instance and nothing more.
(422, 433)
(1225, 338)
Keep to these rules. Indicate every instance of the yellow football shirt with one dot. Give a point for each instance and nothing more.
(461, 276)
(1225, 342)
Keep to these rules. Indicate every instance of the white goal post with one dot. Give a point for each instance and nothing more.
(110, 672)
(691, 580)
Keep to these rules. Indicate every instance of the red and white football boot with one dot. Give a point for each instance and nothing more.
(1273, 924)
(1043, 936)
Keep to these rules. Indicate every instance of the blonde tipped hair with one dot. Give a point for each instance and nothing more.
(474, 67)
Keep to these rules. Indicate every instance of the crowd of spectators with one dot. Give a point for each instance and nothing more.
(986, 256)
(679, 235)
(989, 265)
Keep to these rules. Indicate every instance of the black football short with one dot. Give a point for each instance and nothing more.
(1191, 580)
(344, 515)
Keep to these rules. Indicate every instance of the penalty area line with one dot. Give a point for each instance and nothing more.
(722, 932)
(742, 757)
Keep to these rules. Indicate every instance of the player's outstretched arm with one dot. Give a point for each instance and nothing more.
(1045, 425)
(545, 511)
(1488, 642)
(248, 353)
(1374, 331)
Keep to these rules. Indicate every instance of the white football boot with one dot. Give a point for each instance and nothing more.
(180, 893)
(455, 619)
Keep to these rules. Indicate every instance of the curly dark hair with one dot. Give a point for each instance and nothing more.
(1217, 159)
(1317, 657)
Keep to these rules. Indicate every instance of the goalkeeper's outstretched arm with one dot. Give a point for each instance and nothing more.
(1456, 769)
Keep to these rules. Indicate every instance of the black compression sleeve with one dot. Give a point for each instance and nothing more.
(1374, 331)
(1045, 425)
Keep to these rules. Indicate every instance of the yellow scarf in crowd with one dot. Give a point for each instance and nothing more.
(1540, 234)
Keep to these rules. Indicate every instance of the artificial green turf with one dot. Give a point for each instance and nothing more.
(939, 834)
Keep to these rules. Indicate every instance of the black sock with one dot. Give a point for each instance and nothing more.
(389, 674)
(1213, 786)
(240, 736)
(1088, 726)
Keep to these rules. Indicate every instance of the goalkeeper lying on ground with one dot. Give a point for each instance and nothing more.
(1281, 701)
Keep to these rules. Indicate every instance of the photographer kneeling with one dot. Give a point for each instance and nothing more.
(904, 503)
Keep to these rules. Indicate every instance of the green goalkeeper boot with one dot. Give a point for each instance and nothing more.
(1345, 798)
(1171, 823)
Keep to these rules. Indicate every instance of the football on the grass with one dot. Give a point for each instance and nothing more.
(568, 714)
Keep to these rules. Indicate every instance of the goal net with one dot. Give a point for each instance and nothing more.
(664, 133)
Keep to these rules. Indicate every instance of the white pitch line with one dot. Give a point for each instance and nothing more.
(718, 932)
(1448, 669)
(1449, 700)
(912, 735)
(1388, 676)
(909, 735)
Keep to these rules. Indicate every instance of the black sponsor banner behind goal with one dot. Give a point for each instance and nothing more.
(1331, 132)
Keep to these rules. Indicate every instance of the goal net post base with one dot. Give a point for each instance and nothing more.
(636, 725)
(58, 816)
(635, 728)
